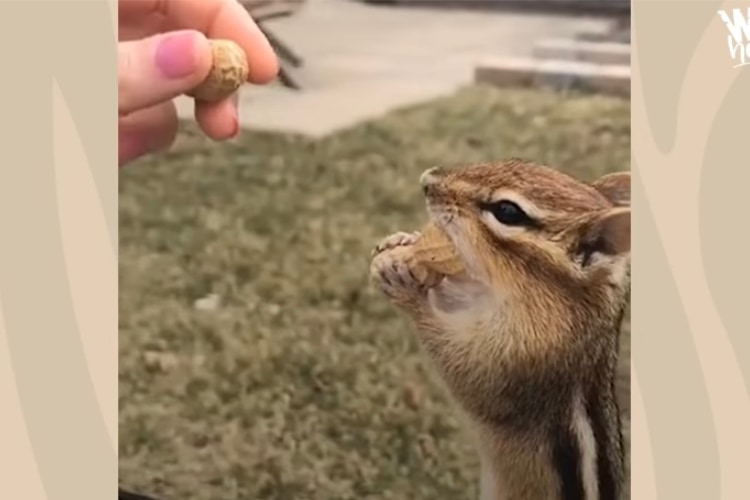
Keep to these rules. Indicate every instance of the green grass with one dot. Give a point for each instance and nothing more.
(305, 383)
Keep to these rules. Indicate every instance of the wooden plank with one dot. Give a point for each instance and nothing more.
(576, 50)
(266, 10)
(558, 75)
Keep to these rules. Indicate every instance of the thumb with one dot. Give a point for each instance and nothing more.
(159, 68)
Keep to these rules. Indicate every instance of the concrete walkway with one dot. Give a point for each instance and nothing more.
(363, 61)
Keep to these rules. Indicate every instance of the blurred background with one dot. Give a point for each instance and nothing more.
(256, 361)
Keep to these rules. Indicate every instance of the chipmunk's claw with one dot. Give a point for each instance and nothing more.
(400, 238)
(401, 278)
(394, 273)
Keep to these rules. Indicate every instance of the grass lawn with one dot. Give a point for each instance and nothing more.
(302, 382)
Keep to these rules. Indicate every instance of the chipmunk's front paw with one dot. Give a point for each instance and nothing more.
(395, 240)
(397, 273)
(391, 273)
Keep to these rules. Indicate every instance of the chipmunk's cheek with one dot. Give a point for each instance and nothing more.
(458, 226)
(460, 295)
(470, 253)
(444, 216)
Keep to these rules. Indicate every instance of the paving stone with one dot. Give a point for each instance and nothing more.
(576, 50)
(559, 75)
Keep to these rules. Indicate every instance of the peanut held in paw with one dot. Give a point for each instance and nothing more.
(228, 72)
(435, 251)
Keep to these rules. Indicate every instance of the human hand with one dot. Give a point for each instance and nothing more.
(163, 52)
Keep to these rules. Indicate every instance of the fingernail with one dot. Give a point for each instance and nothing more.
(176, 55)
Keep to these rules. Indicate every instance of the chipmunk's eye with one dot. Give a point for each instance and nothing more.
(508, 213)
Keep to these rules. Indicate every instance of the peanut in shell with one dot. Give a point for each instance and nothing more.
(228, 72)
(434, 250)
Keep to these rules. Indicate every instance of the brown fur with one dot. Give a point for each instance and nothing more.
(534, 322)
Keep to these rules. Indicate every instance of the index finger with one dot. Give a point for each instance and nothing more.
(216, 19)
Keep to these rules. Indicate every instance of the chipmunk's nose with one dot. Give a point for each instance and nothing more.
(428, 179)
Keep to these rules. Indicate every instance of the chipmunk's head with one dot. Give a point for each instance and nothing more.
(544, 241)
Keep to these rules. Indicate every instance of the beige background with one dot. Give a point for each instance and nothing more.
(691, 361)
(58, 250)
(58, 274)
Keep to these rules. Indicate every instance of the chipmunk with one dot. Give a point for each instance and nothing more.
(526, 334)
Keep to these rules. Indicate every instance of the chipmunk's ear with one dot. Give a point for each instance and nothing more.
(606, 236)
(615, 187)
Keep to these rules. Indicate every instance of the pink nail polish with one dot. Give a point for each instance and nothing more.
(176, 55)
